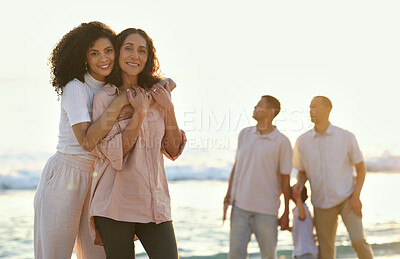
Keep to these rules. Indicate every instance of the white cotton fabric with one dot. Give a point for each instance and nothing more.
(260, 159)
(328, 161)
(76, 107)
(62, 196)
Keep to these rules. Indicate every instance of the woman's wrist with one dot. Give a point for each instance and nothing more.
(170, 109)
(116, 105)
(136, 121)
(141, 114)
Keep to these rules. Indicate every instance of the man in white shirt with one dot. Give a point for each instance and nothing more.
(261, 171)
(326, 156)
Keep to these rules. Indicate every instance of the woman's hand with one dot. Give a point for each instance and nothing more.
(140, 102)
(162, 96)
(122, 98)
(168, 82)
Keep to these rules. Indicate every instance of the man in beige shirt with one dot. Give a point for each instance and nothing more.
(260, 173)
(326, 156)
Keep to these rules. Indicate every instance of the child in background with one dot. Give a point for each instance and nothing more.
(302, 230)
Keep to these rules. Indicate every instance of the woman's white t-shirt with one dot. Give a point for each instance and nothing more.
(76, 107)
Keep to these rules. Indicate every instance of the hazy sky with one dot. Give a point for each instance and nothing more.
(223, 55)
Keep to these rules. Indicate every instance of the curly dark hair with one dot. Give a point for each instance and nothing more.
(67, 61)
(151, 73)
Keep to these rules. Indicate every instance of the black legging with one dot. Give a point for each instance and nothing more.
(158, 240)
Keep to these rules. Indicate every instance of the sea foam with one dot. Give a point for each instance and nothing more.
(384, 163)
(23, 172)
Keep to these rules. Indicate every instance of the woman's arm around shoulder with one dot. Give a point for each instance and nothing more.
(90, 134)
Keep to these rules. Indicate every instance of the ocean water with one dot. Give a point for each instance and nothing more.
(197, 194)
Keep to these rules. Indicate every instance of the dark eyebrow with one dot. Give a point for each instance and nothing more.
(130, 43)
(108, 47)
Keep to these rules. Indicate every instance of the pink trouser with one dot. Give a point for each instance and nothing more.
(61, 210)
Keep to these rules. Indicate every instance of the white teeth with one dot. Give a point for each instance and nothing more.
(105, 66)
(133, 64)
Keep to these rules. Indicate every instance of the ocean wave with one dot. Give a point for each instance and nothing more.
(385, 163)
(179, 173)
(29, 179)
(26, 174)
(20, 180)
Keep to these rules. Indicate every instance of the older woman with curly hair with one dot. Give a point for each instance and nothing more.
(129, 190)
(80, 63)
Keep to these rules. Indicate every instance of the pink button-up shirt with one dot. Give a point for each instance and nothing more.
(133, 188)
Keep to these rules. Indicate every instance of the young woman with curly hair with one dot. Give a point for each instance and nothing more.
(80, 63)
(130, 191)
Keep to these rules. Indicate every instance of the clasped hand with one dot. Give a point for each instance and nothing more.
(162, 96)
(140, 102)
(142, 99)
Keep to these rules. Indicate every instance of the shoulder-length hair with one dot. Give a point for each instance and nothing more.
(151, 73)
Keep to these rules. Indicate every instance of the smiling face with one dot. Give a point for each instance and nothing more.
(133, 56)
(100, 59)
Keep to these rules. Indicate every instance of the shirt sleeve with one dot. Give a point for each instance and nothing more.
(297, 159)
(354, 151)
(239, 142)
(111, 147)
(285, 157)
(75, 102)
(181, 147)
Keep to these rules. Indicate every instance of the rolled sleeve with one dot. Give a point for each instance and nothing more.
(181, 147)
(111, 148)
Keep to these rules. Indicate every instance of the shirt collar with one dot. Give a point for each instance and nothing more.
(271, 135)
(92, 82)
(111, 89)
(329, 131)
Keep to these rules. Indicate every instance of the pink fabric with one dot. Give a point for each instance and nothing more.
(133, 188)
(61, 206)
